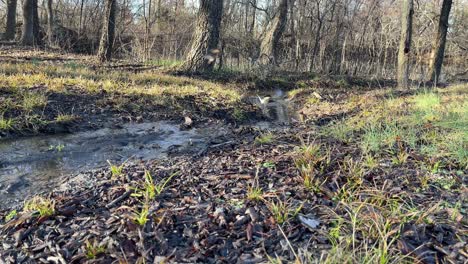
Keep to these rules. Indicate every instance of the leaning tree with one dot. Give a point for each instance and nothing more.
(203, 53)
(108, 31)
(437, 56)
(270, 45)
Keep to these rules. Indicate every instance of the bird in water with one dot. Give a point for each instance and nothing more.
(264, 101)
(264, 105)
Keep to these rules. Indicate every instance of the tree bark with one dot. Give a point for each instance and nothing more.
(30, 34)
(203, 53)
(50, 23)
(437, 56)
(80, 27)
(108, 31)
(269, 47)
(11, 20)
(405, 43)
(254, 17)
(316, 45)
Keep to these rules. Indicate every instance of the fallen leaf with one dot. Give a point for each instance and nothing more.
(309, 222)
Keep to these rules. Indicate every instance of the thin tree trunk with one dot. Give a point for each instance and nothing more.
(202, 55)
(108, 31)
(50, 22)
(270, 44)
(437, 56)
(405, 43)
(316, 45)
(80, 27)
(252, 22)
(36, 25)
(335, 66)
(11, 20)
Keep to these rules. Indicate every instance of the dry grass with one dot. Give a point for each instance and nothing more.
(27, 87)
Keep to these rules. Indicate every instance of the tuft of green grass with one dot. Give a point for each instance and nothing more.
(264, 139)
(12, 214)
(310, 181)
(254, 193)
(43, 206)
(159, 188)
(6, 124)
(385, 135)
(141, 217)
(370, 162)
(239, 114)
(339, 130)
(166, 63)
(283, 211)
(116, 171)
(33, 100)
(354, 170)
(310, 160)
(308, 154)
(93, 250)
(58, 147)
(400, 158)
(150, 190)
(268, 165)
(65, 118)
(426, 101)
(369, 229)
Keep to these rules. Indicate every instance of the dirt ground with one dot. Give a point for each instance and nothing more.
(296, 193)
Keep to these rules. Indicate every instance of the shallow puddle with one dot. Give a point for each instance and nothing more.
(36, 164)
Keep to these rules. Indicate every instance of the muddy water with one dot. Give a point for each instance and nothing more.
(36, 164)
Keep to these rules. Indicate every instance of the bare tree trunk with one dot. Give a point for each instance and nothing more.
(202, 55)
(316, 45)
(50, 22)
(335, 66)
(405, 43)
(437, 56)
(80, 27)
(254, 15)
(36, 27)
(30, 34)
(11, 20)
(108, 31)
(270, 44)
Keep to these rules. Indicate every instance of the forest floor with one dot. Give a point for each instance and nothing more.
(365, 175)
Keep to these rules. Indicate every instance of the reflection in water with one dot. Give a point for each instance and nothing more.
(32, 165)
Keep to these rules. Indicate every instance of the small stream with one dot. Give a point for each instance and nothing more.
(33, 165)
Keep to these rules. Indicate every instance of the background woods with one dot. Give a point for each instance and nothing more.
(348, 37)
(233, 131)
